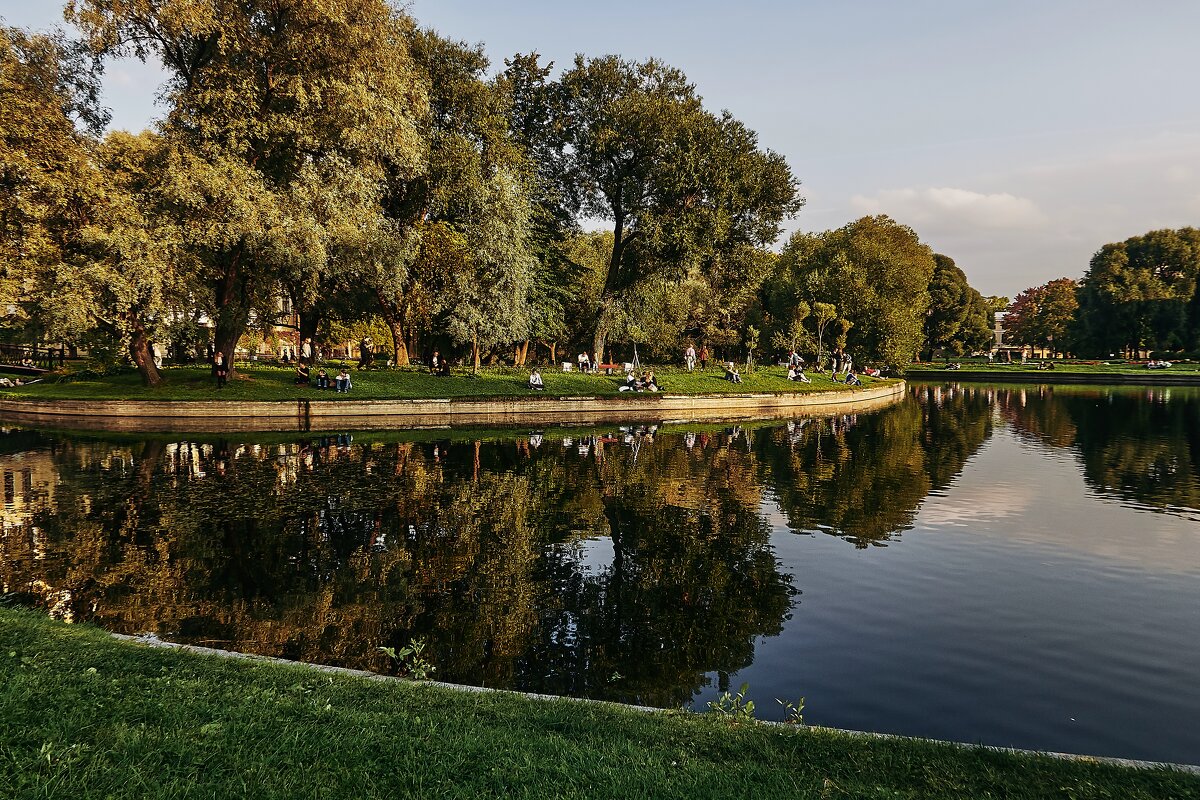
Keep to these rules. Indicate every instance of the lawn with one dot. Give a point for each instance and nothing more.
(273, 383)
(85, 716)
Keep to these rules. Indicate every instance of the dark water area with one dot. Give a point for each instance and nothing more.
(1016, 566)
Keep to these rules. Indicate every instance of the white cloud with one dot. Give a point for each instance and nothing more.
(947, 209)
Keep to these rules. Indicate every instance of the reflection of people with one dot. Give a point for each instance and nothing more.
(535, 381)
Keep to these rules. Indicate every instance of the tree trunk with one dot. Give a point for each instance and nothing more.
(475, 353)
(553, 353)
(399, 346)
(139, 351)
(520, 353)
(233, 312)
(600, 341)
(307, 323)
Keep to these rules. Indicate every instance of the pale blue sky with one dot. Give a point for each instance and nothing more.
(1015, 137)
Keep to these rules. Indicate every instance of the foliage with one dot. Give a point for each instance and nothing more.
(959, 318)
(682, 187)
(733, 706)
(1137, 295)
(793, 713)
(411, 660)
(1043, 315)
(876, 272)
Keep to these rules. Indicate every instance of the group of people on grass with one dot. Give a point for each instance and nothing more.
(341, 383)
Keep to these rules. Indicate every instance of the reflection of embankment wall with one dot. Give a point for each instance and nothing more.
(327, 415)
(1055, 376)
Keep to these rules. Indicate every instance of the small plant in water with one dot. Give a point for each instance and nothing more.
(792, 712)
(410, 660)
(734, 706)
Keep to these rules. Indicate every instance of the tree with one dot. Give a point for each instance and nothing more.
(679, 185)
(48, 184)
(876, 272)
(949, 304)
(1135, 293)
(486, 300)
(122, 279)
(1043, 315)
(267, 99)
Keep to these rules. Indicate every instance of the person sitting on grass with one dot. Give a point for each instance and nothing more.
(731, 373)
(322, 379)
(535, 381)
(342, 382)
(797, 374)
(444, 367)
(302, 375)
(649, 383)
(852, 379)
(630, 384)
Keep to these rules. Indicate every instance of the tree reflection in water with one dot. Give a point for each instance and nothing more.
(546, 562)
(1139, 444)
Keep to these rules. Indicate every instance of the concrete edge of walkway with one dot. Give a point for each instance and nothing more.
(304, 414)
(150, 640)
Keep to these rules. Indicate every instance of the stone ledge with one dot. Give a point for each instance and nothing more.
(312, 415)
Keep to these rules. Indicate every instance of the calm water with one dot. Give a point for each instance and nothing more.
(1011, 566)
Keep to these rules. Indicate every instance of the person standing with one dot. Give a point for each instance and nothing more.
(306, 352)
(220, 369)
(689, 358)
(703, 357)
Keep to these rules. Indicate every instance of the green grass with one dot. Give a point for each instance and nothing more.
(272, 383)
(85, 716)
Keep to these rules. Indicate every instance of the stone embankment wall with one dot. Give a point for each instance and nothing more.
(333, 415)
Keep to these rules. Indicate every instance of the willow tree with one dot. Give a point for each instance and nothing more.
(679, 184)
(48, 188)
(266, 100)
(120, 280)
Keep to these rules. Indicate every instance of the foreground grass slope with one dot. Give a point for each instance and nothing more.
(84, 716)
(273, 383)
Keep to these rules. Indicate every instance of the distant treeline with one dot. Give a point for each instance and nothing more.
(1137, 296)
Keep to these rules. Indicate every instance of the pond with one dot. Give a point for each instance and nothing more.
(1016, 566)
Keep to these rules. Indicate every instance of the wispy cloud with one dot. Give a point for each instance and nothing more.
(947, 209)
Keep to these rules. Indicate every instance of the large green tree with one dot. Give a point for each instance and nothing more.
(1135, 293)
(679, 185)
(48, 182)
(876, 272)
(267, 99)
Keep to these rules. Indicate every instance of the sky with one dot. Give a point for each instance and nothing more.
(1016, 137)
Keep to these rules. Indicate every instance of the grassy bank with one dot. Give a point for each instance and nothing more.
(273, 383)
(83, 716)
